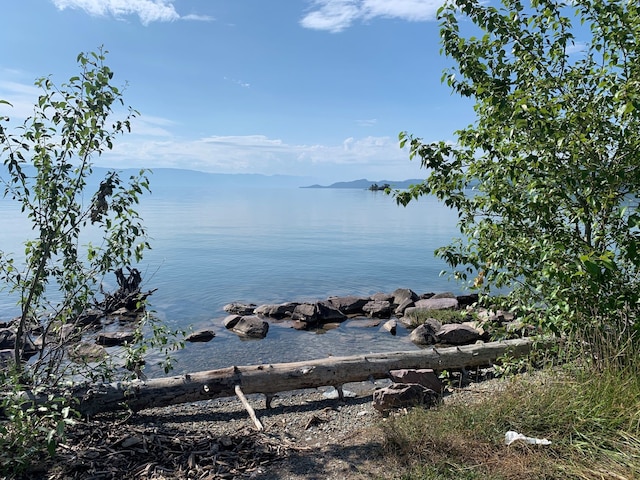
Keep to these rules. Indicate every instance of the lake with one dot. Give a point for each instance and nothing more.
(212, 246)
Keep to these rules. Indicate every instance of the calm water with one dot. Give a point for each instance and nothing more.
(216, 246)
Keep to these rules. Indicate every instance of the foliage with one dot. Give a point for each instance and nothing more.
(552, 156)
(83, 232)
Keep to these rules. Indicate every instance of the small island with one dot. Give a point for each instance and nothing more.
(375, 187)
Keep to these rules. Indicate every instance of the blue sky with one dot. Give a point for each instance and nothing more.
(316, 88)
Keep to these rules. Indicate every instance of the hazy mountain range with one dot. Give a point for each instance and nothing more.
(169, 178)
(364, 183)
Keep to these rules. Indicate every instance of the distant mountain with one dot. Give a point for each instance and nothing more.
(363, 183)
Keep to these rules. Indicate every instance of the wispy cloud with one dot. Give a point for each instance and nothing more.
(238, 82)
(369, 122)
(147, 10)
(337, 15)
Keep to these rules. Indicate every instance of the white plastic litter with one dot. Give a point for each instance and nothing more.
(512, 436)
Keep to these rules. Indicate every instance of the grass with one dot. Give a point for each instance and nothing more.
(590, 411)
(443, 316)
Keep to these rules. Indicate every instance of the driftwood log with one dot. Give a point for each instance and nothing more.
(269, 379)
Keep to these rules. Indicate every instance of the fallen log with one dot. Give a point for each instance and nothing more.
(269, 379)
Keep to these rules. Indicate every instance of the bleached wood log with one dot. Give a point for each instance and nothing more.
(269, 379)
(248, 408)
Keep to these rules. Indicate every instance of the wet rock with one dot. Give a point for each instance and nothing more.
(251, 326)
(318, 312)
(350, 305)
(403, 395)
(230, 321)
(277, 311)
(200, 336)
(111, 339)
(391, 326)
(240, 308)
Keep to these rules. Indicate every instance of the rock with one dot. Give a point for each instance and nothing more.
(277, 311)
(391, 326)
(90, 317)
(438, 296)
(401, 295)
(457, 334)
(8, 342)
(125, 314)
(251, 326)
(423, 376)
(350, 305)
(299, 325)
(306, 312)
(365, 323)
(6, 357)
(87, 353)
(378, 308)
(111, 339)
(319, 312)
(437, 303)
(240, 308)
(407, 303)
(403, 395)
(200, 336)
(423, 334)
(230, 321)
(467, 300)
(7, 339)
(382, 297)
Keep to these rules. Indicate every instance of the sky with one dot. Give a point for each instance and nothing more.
(313, 88)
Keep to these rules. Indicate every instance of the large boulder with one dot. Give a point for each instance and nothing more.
(318, 312)
(277, 311)
(403, 395)
(437, 303)
(378, 308)
(401, 295)
(251, 326)
(423, 334)
(350, 305)
(391, 326)
(231, 321)
(402, 307)
(457, 334)
(422, 376)
(382, 297)
(200, 336)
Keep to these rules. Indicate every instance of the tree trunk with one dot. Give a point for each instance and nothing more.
(280, 377)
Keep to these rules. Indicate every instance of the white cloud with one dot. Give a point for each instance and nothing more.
(375, 157)
(147, 10)
(368, 122)
(21, 97)
(337, 15)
